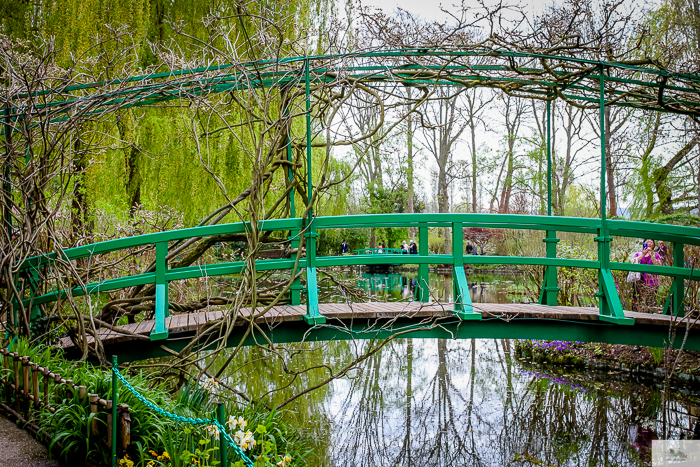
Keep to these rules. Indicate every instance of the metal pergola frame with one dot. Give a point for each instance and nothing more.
(590, 84)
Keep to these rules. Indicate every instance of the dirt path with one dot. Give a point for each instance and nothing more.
(19, 449)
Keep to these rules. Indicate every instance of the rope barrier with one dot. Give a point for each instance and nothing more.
(188, 420)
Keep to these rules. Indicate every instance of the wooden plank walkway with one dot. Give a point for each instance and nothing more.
(189, 323)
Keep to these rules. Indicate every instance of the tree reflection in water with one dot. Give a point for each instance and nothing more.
(438, 402)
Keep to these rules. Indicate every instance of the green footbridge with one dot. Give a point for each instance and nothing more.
(591, 84)
(607, 323)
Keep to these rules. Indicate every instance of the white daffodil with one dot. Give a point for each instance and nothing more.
(286, 460)
(248, 441)
(244, 440)
(241, 423)
(231, 423)
(239, 437)
(212, 430)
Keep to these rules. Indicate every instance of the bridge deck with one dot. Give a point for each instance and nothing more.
(181, 325)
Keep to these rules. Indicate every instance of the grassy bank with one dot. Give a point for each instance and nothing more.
(77, 435)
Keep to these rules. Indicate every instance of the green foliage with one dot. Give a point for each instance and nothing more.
(329, 240)
(153, 437)
(657, 353)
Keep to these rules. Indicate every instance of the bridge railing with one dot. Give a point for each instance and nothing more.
(303, 234)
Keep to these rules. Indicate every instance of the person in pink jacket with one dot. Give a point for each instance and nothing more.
(646, 287)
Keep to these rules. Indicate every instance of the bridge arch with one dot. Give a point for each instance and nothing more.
(587, 83)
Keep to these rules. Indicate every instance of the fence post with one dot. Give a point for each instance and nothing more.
(8, 390)
(423, 268)
(223, 445)
(123, 427)
(15, 360)
(94, 400)
(113, 424)
(162, 302)
(47, 380)
(25, 386)
(35, 386)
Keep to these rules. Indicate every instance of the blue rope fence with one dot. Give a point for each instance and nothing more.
(190, 421)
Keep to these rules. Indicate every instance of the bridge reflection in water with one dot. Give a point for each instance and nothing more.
(424, 402)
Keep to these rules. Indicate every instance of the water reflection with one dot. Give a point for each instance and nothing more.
(484, 287)
(437, 402)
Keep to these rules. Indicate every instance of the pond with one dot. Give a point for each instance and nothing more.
(485, 287)
(417, 402)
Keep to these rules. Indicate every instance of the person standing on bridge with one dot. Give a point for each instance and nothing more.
(648, 285)
(344, 248)
(413, 248)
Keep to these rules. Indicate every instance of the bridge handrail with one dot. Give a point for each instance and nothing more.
(673, 233)
(163, 275)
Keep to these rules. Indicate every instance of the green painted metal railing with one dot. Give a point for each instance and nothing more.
(610, 305)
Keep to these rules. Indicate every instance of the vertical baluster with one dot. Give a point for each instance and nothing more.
(82, 391)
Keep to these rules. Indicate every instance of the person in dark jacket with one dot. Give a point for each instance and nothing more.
(413, 248)
(470, 248)
(344, 248)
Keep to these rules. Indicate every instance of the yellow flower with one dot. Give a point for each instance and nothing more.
(166, 455)
(151, 463)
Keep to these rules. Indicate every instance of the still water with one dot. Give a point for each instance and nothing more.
(418, 402)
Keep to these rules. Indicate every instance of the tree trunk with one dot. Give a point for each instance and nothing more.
(444, 203)
(131, 163)
(79, 209)
(663, 190)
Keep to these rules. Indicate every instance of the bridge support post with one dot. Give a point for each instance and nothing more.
(312, 316)
(162, 301)
(674, 302)
(550, 287)
(463, 300)
(295, 289)
(423, 268)
(610, 308)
